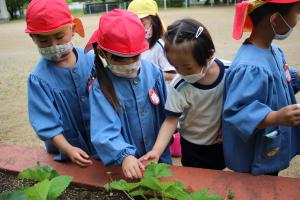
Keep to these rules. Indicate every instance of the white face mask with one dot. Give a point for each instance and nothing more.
(56, 52)
(125, 71)
(149, 32)
(282, 36)
(193, 78)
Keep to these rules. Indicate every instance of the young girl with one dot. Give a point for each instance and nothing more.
(128, 98)
(58, 102)
(261, 121)
(147, 11)
(195, 97)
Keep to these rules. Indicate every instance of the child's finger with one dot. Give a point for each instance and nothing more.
(133, 172)
(141, 165)
(138, 172)
(127, 173)
(144, 157)
(84, 161)
(83, 154)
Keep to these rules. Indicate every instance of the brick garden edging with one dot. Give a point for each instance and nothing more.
(14, 158)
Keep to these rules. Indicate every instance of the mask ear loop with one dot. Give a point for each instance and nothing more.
(199, 31)
(101, 53)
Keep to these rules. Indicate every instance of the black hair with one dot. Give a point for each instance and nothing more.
(157, 30)
(104, 80)
(268, 9)
(184, 31)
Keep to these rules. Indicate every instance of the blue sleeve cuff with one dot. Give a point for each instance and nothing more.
(247, 119)
(124, 154)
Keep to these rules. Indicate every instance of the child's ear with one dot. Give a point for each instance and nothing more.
(273, 19)
(73, 29)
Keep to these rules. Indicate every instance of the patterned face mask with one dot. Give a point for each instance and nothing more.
(57, 52)
(125, 71)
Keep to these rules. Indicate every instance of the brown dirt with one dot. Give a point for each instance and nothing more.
(10, 183)
(18, 56)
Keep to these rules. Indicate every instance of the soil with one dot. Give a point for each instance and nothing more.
(10, 182)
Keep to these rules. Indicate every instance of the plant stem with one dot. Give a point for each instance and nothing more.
(128, 195)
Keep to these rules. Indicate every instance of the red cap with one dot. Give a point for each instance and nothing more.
(44, 16)
(120, 32)
(242, 22)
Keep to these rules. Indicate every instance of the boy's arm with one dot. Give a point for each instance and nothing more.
(287, 116)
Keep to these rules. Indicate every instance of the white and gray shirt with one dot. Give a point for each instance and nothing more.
(198, 106)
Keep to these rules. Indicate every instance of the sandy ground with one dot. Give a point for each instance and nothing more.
(18, 56)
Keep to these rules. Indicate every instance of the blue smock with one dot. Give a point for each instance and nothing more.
(256, 84)
(58, 102)
(133, 128)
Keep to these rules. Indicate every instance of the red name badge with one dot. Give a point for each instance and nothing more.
(153, 96)
(287, 73)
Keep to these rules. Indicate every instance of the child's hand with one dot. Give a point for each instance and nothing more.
(152, 155)
(132, 167)
(79, 157)
(289, 115)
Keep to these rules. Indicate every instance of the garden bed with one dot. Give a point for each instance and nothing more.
(10, 182)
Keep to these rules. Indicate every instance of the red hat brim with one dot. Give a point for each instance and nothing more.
(242, 22)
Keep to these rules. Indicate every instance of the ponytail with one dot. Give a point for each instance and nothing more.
(104, 81)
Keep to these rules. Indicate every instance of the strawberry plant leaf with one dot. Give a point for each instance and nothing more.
(203, 195)
(177, 193)
(157, 170)
(151, 183)
(122, 185)
(57, 186)
(38, 173)
(213, 197)
(13, 196)
(135, 193)
(39, 191)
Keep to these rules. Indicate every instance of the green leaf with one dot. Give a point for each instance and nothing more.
(137, 193)
(122, 185)
(203, 195)
(151, 183)
(57, 186)
(39, 191)
(213, 197)
(38, 173)
(176, 191)
(157, 170)
(13, 196)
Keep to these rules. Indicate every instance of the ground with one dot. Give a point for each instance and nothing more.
(18, 56)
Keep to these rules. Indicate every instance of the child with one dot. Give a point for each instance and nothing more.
(147, 11)
(260, 120)
(195, 97)
(128, 97)
(58, 102)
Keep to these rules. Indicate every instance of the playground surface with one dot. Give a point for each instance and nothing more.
(18, 56)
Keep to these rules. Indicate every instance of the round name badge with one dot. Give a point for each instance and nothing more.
(154, 98)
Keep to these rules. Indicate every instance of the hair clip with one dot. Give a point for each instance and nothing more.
(199, 31)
